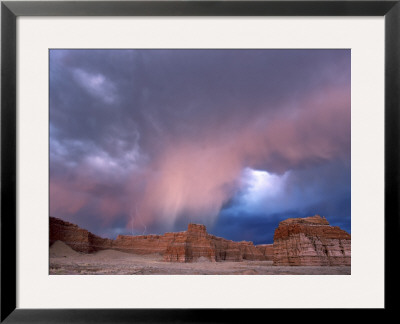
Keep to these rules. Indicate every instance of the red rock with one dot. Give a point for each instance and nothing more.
(250, 252)
(226, 250)
(314, 220)
(297, 241)
(267, 250)
(77, 238)
(197, 244)
(311, 241)
(191, 245)
(141, 244)
(69, 233)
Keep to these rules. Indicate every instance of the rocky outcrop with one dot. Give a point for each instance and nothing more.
(196, 244)
(307, 241)
(249, 252)
(188, 246)
(143, 244)
(311, 241)
(77, 238)
(267, 250)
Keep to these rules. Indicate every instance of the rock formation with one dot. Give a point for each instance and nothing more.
(307, 241)
(77, 238)
(267, 250)
(142, 244)
(190, 245)
(187, 246)
(311, 241)
(196, 243)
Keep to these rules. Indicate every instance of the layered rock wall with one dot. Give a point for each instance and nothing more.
(77, 238)
(307, 241)
(142, 244)
(71, 234)
(188, 246)
(267, 250)
(196, 243)
(311, 242)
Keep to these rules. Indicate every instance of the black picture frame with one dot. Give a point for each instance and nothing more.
(10, 10)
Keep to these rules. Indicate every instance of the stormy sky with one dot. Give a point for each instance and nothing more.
(147, 141)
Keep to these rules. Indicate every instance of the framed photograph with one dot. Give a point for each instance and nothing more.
(240, 153)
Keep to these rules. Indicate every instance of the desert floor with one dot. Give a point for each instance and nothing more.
(65, 261)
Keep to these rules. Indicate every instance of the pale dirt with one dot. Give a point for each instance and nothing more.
(65, 261)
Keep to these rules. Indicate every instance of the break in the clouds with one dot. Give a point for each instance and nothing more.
(146, 141)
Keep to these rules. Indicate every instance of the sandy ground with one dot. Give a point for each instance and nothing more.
(65, 261)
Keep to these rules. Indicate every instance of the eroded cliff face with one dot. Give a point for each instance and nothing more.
(188, 246)
(142, 244)
(311, 241)
(307, 241)
(267, 250)
(77, 238)
(196, 244)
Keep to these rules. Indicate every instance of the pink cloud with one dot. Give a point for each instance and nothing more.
(63, 200)
(195, 177)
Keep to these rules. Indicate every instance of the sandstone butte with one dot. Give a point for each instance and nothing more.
(298, 241)
(311, 241)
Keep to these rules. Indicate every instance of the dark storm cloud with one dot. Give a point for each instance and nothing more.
(175, 93)
(162, 136)
(323, 190)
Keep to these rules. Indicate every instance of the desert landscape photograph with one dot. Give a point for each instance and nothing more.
(200, 162)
